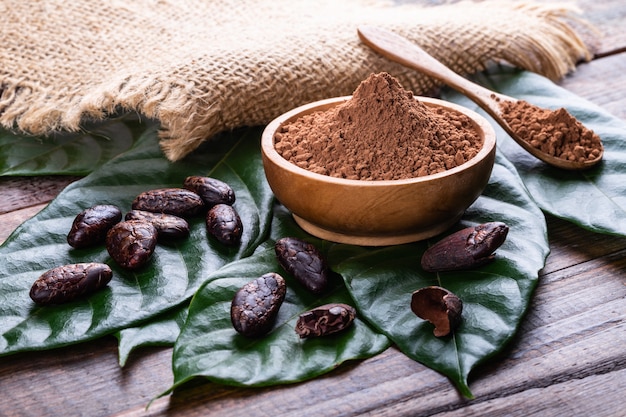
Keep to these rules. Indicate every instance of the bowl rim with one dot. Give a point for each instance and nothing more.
(268, 149)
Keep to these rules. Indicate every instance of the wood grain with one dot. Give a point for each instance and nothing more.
(11, 220)
(602, 82)
(603, 396)
(608, 17)
(19, 192)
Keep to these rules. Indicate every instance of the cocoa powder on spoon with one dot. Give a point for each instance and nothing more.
(555, 132)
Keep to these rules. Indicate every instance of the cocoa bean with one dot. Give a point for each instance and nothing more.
(211, 190)
(324, 320)
(177, 201)
(131, 243)
(90, 226)
(438, 306)
(302, 260)
(169, 227)
(224, 224)
(69, 282)
(465, 249)
(255, 306)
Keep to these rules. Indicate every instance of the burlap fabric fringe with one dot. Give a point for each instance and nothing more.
(202, 66)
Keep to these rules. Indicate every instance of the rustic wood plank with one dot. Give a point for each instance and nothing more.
(81, 379)
(603, 82)
(608, 17)
(20, 192)
(603, 397)
(571, 245)
(600, 24)
(11, 220)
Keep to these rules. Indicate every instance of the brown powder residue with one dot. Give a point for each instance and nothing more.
(555, 132)
(381, 133)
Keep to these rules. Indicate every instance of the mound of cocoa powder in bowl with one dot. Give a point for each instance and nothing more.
(381, 133)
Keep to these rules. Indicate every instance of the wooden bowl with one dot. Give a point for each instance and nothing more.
(377, 213)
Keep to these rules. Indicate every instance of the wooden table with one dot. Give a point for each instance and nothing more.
(569, 357)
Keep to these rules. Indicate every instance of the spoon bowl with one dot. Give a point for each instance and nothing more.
(403, 51)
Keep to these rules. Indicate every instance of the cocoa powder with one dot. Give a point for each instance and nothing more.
(555, 132)
(381, 133)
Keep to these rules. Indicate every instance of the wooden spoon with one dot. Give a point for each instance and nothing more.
(403, 51)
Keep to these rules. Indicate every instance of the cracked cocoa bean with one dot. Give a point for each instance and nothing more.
(324, 320)
(211, 190)
(177, 201)
(131, 243)
(90, 226)
(438, 306)
(224, 224)
(468, 248)
(169, 227)
(255, 306)
(69, 282)
(302, 260)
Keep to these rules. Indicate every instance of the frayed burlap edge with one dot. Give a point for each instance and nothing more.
(193, 101)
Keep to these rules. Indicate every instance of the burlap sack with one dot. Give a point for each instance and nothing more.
(203, 66)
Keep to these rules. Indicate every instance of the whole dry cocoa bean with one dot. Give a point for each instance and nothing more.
(177, 201)
(69, 282)
(324, 320)
(465, 249)
(211, 190)
(90, 226)
(440, 307)
(255, 306)
(302, 260)
(224, 224)
(131, 243)
(169, 227)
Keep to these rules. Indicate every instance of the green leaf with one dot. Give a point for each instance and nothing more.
(495, 297)
(68, 153)
(209, 346)
(162, 330)
(381, 281)
(175, 271)
(594, 199)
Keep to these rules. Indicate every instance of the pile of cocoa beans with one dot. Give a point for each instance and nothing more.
(158, 215)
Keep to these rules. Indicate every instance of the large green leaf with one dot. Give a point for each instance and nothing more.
(594, 199)
(68, 153)
(175, 271)
(495, 296)
(380, 281)
(161, 330)
(209, 346)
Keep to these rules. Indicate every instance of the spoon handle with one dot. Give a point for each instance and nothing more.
(403, 51)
